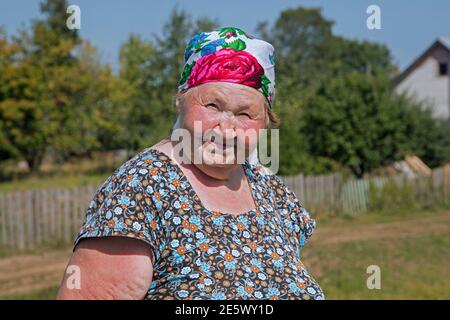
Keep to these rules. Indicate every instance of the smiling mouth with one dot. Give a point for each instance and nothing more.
(223, 146)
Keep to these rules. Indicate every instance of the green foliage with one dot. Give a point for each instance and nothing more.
(40, 294)
(308, 58)
(56, 97)
(352, 120)
(358, 121)
(427, 137)
(153, 68)
(361, 56)
(413, 195)
(392, 197)
(333, 94)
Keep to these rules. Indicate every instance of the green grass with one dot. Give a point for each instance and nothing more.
(42, 294)
(377, 217)
(66, 181)
(10, 251)
(411, 268)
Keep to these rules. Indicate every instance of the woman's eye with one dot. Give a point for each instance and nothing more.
(212, 105)
(245, 115)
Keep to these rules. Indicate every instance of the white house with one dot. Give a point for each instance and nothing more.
(427, 78)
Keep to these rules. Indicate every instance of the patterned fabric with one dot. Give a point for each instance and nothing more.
(231, 55)
(202, 254)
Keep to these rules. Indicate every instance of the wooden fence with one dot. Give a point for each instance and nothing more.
(331, 194)
(35, 217)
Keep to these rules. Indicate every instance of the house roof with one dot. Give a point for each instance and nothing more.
(443, 42)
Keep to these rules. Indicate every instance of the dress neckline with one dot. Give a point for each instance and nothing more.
(249, 177)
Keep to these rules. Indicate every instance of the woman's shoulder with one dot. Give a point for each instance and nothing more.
(145, 160)
(263, 175)
(258, 169)
(129, 203)
(144, 173)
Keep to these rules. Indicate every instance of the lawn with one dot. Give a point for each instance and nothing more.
(87, 172)
(63, 181)
(411, 268)
(41, 294)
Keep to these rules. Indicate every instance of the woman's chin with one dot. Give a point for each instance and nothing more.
(219, 161)
(221, 156)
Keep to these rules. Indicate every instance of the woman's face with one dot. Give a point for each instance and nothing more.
(234, 114)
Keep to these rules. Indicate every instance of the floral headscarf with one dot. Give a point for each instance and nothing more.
(230, 55)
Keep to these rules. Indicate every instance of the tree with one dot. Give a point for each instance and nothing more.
(7, 66)
(307, 56)
(153, 67)
(30, 106)
(428, 138)
(360, 56)
(302, 38)
(356, 120)
(360, 122)
(94, 108)
(56, 96)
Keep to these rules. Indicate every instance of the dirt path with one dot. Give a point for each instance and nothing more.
(26, 273)
(22, 274)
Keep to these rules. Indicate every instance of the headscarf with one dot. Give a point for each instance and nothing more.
(231, 55)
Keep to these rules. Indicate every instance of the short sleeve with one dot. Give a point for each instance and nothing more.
(124, 206)
(297, 217)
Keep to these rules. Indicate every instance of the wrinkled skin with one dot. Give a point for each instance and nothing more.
(233, 112)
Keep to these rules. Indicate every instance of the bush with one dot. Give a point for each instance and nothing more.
(403, 194)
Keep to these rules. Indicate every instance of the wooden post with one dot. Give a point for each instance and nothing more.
(29, 219)
(3, 220)
(46, 216)
(67, 215)
(38, 215)
(20, 217)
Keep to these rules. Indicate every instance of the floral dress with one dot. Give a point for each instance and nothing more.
(203, 254)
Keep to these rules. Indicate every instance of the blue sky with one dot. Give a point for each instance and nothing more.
(408, 26)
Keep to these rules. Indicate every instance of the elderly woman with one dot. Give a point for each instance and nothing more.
(166, 227)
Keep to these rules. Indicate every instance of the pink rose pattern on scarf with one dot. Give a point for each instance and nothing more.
(226, 59)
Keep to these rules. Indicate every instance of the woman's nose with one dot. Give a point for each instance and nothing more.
(227, 126)
(227, 120)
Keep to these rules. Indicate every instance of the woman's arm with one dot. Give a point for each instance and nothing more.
(110, 268)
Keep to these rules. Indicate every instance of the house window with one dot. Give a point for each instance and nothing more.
(443, 69)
